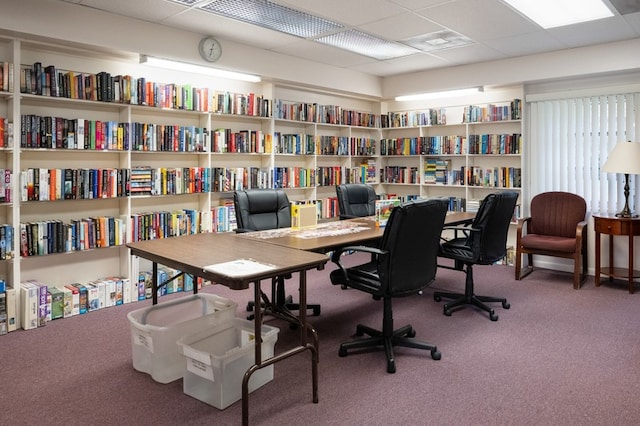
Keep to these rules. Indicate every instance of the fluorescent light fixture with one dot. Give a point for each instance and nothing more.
(439, 95)
(557, 13)
(198, 69)
(366, 44)
(273, 16)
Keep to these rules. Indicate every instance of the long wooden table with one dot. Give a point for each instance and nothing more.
(287, 250)
(329, 236)
(192, 254)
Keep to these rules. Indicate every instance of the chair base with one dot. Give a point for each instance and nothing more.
(463, 299)
(400, 337)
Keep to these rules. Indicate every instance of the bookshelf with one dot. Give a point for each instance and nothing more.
(448, 151)
(151, 156)
(163, 159)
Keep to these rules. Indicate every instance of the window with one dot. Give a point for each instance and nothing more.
(569, 141)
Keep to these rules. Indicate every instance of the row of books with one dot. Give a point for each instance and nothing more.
(38, 79)
(40, 184)
(295, 143)
(243, 141)
(58, 132)
(41, 303)
(6, 76)
(400, 174)
(6, 133)
(429, 117)
(61, 133)
(40, 238)
(494, 177)
(8, 317)
(241, 104)
(488, 113)
(495, 144)
(165, 224)
(325, 114)
(424, 145)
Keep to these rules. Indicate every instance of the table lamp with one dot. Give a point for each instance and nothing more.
(624, 158)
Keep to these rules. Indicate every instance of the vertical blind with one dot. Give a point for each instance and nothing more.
(570, 140)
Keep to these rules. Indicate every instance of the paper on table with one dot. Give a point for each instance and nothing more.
(239, 267)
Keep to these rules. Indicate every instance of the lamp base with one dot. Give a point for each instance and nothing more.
(626, 215)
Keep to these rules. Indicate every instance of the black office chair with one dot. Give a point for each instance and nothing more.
(482, 243)
(258, 210)
(404, 264)
(356, 200)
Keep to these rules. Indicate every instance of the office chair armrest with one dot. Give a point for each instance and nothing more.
(460, 228)
(335, 256)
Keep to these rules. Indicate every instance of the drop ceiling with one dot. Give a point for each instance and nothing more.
(490, 29)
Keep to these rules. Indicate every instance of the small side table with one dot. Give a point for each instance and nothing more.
(611, 225)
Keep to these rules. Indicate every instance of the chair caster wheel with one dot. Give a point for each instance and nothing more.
(342, 352)
(493, 316)
(447, 312)
(436, 354)
(506, 305)
(437, 298)
(391, 367)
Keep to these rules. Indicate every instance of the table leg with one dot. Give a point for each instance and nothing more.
(598, 254)
(257, 328)
(260, 363)
(631, 260)
(154, 283)
(611, 264)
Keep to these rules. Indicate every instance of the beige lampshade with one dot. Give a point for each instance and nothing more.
(623, 158)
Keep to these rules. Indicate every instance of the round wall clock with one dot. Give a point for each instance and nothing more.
(210, 49)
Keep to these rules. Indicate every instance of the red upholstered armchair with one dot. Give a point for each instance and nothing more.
(556, 227)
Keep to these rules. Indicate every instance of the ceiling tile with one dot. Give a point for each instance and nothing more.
(401, 26)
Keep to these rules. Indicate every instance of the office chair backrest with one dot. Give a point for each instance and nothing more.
(411, 237)
(356, 200)
(493, 217)
(556, 213)
(260, 209)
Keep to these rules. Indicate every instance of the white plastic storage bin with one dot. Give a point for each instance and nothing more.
(155, 330)
(217, 359)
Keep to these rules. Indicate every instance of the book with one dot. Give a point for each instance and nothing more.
(3, 313)
(383, 210)
(67, 304)
(75, 297)
(12, 321)
(28, 306)
(57, 303)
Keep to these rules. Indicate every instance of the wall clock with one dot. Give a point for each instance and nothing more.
(210, 49)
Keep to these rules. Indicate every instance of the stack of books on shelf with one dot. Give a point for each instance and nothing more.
(436, 171)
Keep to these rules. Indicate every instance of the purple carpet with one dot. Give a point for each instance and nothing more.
(559, 356)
